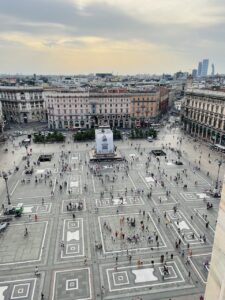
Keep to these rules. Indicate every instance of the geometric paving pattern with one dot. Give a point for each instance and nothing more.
(72, 284)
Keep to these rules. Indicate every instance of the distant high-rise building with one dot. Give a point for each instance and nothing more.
(213, 70)
(194, 73)
(205, 65)
(200, 69)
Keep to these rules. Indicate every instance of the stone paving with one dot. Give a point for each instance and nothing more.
(118, 234)
(72, 284)
(23, 250)
(108, 231)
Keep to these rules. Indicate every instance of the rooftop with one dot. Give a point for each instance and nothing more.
(21, 88)
(206, 92)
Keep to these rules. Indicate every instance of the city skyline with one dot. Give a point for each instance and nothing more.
(128, 37)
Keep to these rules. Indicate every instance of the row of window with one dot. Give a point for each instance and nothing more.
(33, 113)
(18, 104)
(87, 118)
(18, 97)
(86, 111)
(81, 105)
(207, 106)
(81, 100)
(64, 100)
(207, 120)
(22, 107)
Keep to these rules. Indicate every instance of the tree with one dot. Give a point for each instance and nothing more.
(84, 135)
(50, 138)
(117, 134)
(139, 133)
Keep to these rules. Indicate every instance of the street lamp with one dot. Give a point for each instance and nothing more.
(220, 162)
(5, 177)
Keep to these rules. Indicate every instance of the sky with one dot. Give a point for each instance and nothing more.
(119, 36)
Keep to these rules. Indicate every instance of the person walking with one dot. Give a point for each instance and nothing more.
(26, 231)
(36, 271)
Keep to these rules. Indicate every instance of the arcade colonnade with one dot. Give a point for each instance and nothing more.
(203, 115)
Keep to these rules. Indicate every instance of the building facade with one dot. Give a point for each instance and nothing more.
(147, 106)
(177, 105)
(68, 109)
(215, 288)
(203, 115)
(23, 104)
(111, 108)
(144, 107)
(163, 100)
(1, 120)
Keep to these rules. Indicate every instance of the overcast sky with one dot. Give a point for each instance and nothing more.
(119, 36)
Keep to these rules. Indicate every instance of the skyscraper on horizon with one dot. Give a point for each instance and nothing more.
(200, 69)
(194, 73)
(205, 65)
(213, 70)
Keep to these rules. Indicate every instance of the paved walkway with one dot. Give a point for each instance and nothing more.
(109, 231)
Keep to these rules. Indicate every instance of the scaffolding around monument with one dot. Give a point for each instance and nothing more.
(104, 149)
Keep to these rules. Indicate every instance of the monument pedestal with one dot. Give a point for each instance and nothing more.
(96, 157)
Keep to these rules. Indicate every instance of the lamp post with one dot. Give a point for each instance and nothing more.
(5, 177)
(220, 162)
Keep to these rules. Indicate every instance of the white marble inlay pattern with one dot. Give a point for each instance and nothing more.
(73, 236)
(182, 225)
(144, 275)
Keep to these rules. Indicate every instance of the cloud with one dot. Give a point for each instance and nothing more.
(175, 29)
(198, 12)
(154, 21)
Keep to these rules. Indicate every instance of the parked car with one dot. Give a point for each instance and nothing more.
(26, 141)
(3, 226)
(150, 139)
(9, 211)
(178, 162)
(14, 210)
